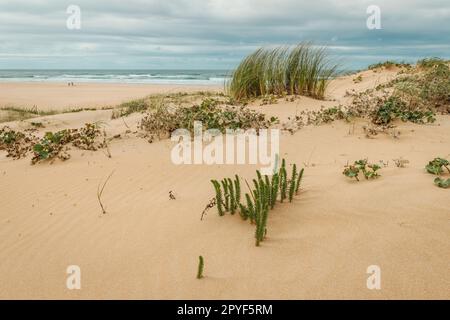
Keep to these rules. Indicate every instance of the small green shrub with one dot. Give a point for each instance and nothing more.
(210, 112)
(394, 108)
(17, 144)
(358, 79)
(56, 145)
(436, 166)
(369, 171)
(52, 145)
(442, 183)
(388, 64)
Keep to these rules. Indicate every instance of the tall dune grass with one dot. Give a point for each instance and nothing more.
(299, 70)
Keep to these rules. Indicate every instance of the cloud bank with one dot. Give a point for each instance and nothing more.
(214, 34)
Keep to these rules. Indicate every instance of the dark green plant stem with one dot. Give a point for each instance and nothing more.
(299, 180)
(292, 182)
(226, 195)
(232, 196)
(201, 265)
(219, 199)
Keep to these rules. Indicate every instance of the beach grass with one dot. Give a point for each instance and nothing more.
(286, 70)
(15, 113)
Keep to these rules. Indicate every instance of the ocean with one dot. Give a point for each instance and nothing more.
(199, 77)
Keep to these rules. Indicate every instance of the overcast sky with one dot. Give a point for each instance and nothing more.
(208, 34)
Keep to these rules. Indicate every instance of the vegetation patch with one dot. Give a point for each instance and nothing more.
(388, 65)
(299, 70)
(369, 170)
(442, 183)
(16, 144)
(55, 145)
(211, 112)
(155, 101)
(264, 195)
(438, 167)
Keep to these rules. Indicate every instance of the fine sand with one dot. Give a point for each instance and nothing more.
(147, 246)
(60, 96)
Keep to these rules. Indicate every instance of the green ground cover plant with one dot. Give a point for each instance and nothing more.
(211, 112)
(17, 144)
(369, 170)
(439, 166)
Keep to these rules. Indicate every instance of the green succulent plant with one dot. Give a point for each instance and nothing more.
(436, 166)
(260, 199)
(370, 171)
(442, 183)
(228, 195)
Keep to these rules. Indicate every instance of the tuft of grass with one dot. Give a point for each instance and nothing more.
(201, 266)
(430, 62)
(130, 107)
(100, 192)
(298, 70)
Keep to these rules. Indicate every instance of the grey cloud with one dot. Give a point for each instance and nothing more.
(213, 33)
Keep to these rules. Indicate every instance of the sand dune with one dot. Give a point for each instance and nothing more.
(146, 245)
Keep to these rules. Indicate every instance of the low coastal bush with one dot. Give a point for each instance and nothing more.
(388, 64)
(55, 145)
(395, 108)
(415, 95)
(369, 170)
(426, 89)
(430, 62)
(261, 198)
(52, 145)
(299, 70)
(16, 144)
(211, 112)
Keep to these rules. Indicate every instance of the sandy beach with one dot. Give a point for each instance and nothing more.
(60, 96)
(146, 246)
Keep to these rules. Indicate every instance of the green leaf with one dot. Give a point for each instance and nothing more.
(441, 183)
